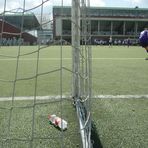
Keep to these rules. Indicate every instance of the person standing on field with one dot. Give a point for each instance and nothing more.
(128, 42)
(143, 40)
(110, 41)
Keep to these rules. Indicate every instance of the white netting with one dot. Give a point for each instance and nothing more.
(36, 80)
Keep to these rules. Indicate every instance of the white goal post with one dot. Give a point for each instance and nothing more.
(81, 56)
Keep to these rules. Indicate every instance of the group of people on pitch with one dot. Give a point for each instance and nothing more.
(143, 40)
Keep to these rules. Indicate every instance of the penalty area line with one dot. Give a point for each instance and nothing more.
(23, 98)
(121, 96)
(52, 59)
(118, 58)
(58, 97)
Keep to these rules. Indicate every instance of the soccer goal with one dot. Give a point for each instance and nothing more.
(43, 76)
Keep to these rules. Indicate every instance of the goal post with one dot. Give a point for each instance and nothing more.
(76, 46)
(81, 59)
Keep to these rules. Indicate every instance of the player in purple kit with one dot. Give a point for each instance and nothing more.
(143, 40)
(128, 42)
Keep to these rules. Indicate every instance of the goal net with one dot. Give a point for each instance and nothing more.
(42, 76)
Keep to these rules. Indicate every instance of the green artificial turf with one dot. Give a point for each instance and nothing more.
(121, 122)
(26, 124)
(115, 71)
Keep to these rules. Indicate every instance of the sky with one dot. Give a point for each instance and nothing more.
(14, 4)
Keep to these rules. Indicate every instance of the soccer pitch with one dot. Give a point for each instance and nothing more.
(117, 71)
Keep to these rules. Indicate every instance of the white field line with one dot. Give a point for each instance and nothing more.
(120, 96)
(64, 97)
(46, 59)
(118, 58)
(21, 98)
(32, 59)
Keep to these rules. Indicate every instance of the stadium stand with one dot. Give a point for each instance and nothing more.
(11, 28)
(11, 35)
(120, 23)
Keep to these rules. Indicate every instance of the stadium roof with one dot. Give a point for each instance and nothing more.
(29, 21)
(106, 11)
(10, 31)
(117, 8)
